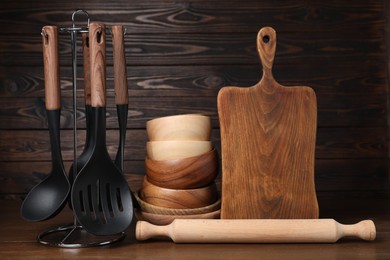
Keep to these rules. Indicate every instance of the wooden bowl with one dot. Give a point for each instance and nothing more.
(147, 207)
(170, 150)
(159, 219)
(188, 173)
(190, 127)
(178, 198)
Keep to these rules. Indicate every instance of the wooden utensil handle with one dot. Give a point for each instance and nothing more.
(87, 69)
(266, 47)
(256, 230)
(97, 44)
(51, 67)
(120, 76)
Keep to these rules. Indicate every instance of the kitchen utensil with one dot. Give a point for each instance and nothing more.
(178, 198)
(121, 91)
(121, 95)
(190, 127)
(147, 207)
(268, 136)
(101, 198)
(159, 219)
(170, 150)
(256, 230)
(86, 154)
(48, 197)
(188, 173)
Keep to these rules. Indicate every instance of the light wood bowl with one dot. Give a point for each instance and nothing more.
(190, 127)
(159, 219)
(188, 173)
(178, 198)
(170, 150)
(147, 207)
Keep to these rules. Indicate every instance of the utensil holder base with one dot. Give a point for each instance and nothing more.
(75, 236)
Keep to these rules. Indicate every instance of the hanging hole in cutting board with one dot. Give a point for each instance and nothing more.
(266, 38)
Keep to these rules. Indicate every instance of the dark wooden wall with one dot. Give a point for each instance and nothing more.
(180, 54)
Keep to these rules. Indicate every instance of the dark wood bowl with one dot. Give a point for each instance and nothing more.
(188, 173)
(178, 198)
(147, 207)
(160, 219)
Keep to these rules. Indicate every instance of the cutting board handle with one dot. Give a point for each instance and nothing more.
(266, 47)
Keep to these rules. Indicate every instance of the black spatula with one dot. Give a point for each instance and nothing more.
(101, 198)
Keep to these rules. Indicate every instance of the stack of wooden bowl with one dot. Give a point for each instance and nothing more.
(181, 167)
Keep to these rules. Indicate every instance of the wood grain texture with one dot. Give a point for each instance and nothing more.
(120, 74)
(180, 54)
(187, 173)
(52, 69)
(97, 43)
(178, 198)
(344, 77)
(336, 176)
(185, 49)
(186, 127)
(268, 135)
(160, 219)
(145, 206)
(28, 145)
(188, 16)
(333, 111)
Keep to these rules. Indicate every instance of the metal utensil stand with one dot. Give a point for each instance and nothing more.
(74, 235)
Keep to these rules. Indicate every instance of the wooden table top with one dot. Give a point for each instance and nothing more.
(18, 240)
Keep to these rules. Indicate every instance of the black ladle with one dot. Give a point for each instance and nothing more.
(101, 197)
(121, 94)
(48, 197)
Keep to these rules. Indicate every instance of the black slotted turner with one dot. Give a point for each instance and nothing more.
(101, 197)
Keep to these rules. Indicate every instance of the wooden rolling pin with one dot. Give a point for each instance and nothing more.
(256, 230)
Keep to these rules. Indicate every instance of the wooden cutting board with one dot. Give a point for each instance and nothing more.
(268, 135)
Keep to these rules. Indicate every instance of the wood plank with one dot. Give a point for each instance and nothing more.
(25, 145)
(172, 49)
(351, 110)
(199, 16)
(330, 175)
(333, 111)
(351, 143)
(333, 203)
(31, 114)
(387, 73)
(20, 177)
(31, 145)
(342, 77)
